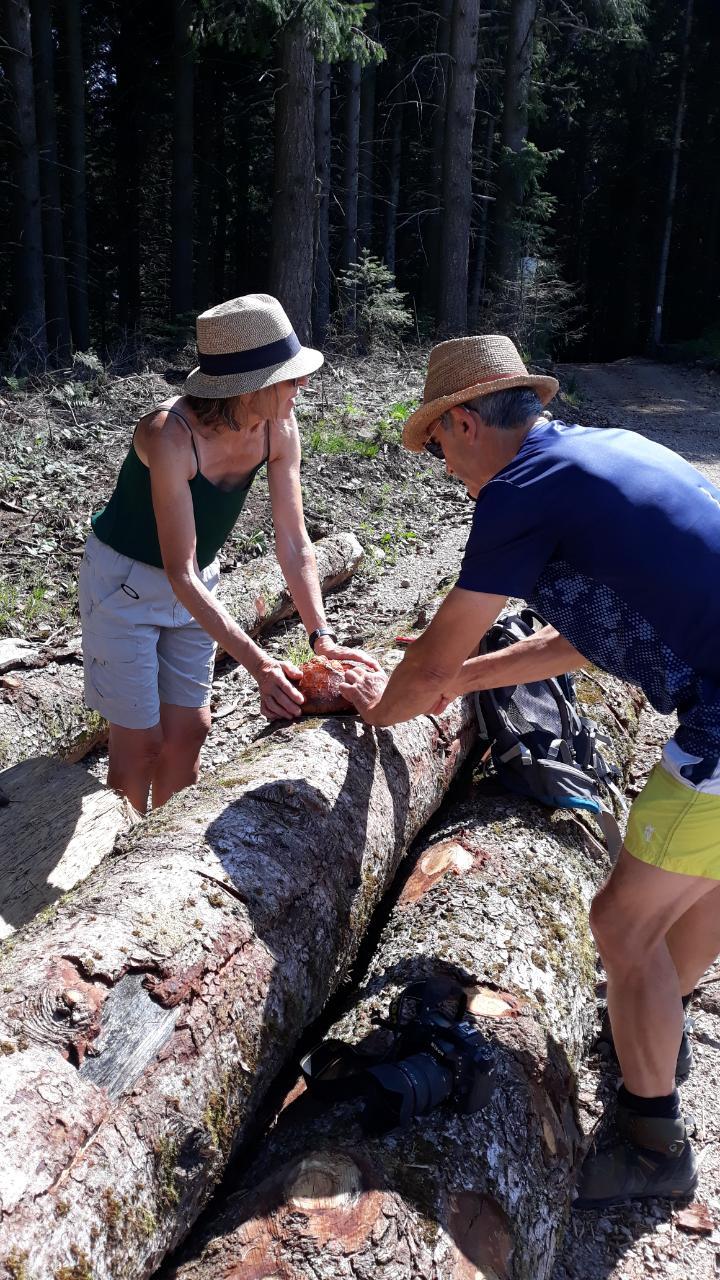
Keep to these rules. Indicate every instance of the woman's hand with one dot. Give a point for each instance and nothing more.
(279, 699)
(326, 647)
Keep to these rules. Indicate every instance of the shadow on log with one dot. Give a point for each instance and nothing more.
(141, 1024)
(499, 900)
(41, 690)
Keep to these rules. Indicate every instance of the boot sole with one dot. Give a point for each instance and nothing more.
(608, 1203)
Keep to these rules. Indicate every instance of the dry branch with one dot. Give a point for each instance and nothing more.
(42, 708)
(141, 1024)
(499, 899)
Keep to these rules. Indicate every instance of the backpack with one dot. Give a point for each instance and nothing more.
(540, 745)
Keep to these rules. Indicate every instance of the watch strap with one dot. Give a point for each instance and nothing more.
(315, 636)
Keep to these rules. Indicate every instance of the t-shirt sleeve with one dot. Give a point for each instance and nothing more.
(511, 540)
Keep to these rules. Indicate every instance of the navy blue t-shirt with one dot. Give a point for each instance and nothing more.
(615, 540)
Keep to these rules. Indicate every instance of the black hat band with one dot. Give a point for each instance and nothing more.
(249, 361)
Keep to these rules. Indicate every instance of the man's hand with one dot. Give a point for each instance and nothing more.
(279, 699)
(326, 647)
(364, 689)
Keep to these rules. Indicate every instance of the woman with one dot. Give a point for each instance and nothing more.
(150, 618)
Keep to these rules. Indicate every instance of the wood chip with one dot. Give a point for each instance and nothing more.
(696, 1219)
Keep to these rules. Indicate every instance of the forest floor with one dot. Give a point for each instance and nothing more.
(61, 443)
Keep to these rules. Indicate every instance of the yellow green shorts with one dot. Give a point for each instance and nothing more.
(675, 827)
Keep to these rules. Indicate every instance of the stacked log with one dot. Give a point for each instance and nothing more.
(497, 898)
(143, 1019)
(42, 705)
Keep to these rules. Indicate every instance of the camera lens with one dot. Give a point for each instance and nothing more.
(407, 1088)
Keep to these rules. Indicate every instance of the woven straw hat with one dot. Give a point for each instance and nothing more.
(461, 370)
(246, 344)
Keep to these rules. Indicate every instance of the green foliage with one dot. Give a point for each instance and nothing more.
(334, 26)
(371, 309)
(332, 439)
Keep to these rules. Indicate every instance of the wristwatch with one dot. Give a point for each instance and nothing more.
(320, 631)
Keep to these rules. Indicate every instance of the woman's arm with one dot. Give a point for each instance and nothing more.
(171, 464)
(293, 547)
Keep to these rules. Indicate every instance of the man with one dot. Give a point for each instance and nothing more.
(615, 540)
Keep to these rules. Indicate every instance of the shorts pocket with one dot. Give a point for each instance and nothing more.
(107, 659)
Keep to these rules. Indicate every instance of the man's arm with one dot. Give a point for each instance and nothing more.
(432, 663)
(542, 655)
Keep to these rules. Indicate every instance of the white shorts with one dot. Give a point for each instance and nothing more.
(141, 647)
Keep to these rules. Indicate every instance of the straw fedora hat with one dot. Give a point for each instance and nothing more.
(244, 345)
(464, 368)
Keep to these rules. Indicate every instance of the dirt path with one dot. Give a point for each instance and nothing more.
(681, 409)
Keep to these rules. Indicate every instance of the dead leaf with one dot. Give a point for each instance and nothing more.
(696, 1218)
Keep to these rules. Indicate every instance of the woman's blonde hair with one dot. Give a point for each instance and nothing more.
(235, 411)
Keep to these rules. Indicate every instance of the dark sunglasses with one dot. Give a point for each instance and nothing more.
(434, 449)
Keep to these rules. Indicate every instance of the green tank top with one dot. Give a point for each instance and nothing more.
(127, 523)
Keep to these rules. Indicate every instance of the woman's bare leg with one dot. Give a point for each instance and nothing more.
(184, 729)
(133, 758)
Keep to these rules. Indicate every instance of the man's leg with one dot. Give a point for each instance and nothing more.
(694, 940)
(631, 918)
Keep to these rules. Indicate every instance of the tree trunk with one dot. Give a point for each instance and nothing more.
(29, 284)
(656, 330)
(351, 167)
(205, 163)
(518, 72)
(181, 265)
(431, 277)
(291, 261)
(222, 208)
(142, 1024)
(457, 171)
(366, 156)
(478, 273)
(56, 298)
(41, 693)
(498, 899)
(128, 135)
(323, 152)
(394, 172)
(76, 204)
(59, 823)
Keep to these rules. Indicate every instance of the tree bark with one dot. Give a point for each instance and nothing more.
(76, 203)
(143, 1023)
(323, 153)
(129, 161)
(366, 157)
(431, 278)
(481, 229)
(518, 73)
(457, 171)
(29, 285)
(291, 263)
(394, 173)
(351, 165)
(42, 708)
(656, 330)
(498, 899)
(56, 298)
(181, 264)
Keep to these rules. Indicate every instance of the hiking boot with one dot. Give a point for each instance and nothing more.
(646, 1156)
(606, 1046)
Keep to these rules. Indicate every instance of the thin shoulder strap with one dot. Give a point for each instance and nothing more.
(192, 434)
(267, 441)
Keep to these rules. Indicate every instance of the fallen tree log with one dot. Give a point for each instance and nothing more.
(499, 900)
(142, 1022)
(57, 824)
(42, 706)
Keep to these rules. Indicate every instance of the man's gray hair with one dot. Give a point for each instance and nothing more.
(507, 409)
